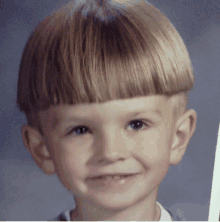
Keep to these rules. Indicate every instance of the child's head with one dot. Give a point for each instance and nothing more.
(98, 63)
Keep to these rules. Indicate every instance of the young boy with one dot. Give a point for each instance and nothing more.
(104, 87)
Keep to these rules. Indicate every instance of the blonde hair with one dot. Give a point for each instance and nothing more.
(93, 53)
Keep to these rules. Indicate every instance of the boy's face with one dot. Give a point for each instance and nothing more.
(112, 138)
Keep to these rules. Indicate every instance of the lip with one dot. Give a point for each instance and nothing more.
(110, 174)
(114, 185)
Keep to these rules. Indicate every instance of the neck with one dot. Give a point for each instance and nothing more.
(144, 210)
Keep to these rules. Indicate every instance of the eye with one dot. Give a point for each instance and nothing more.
(79, 130)
(137, 124)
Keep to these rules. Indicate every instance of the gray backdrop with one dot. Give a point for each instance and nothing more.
(27, 194)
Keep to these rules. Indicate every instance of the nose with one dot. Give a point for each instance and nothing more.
(111, 146)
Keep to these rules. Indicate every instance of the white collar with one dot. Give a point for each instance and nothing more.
(164, 215)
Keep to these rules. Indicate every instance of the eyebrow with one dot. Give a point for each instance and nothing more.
(55, 121)
(156, 111)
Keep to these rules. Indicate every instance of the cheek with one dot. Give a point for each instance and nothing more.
(154, 144)
(69, 162)
(154, 150)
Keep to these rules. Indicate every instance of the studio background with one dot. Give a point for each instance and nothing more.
(27, 194)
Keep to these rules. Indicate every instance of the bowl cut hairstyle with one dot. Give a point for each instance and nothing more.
(94, 52)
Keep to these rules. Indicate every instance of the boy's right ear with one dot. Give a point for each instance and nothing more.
(34, 143)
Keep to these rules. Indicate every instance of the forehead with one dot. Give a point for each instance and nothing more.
(159, 105)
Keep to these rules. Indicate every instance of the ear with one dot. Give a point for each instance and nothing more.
(34, 143)
(185, 127)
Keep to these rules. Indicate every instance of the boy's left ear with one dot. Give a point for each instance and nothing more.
(185, 127)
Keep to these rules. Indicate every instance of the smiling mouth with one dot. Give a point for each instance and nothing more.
(114, 183)
(115, 177)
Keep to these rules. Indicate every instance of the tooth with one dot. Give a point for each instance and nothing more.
(122, 181)
(116, 177)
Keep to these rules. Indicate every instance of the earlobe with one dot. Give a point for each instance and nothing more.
(34, 143)
(47, 164)
(48, 167)
(185, 127)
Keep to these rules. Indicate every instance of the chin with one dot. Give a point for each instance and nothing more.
(117, 202)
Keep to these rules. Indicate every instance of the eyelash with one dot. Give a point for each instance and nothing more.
(80, 127)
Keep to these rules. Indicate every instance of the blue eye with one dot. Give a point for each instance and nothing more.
(136, 125)
(79, 130)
